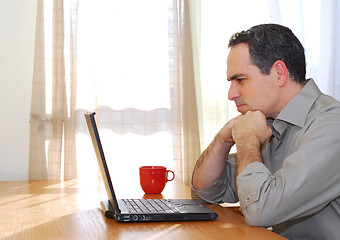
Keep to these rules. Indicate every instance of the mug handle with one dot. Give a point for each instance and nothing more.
(173, 175)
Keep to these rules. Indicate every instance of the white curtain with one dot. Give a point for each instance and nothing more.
(52, 122)
(131, 62)
(135, 70)
(155, 73)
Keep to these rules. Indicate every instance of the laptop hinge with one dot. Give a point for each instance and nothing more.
(107, 209)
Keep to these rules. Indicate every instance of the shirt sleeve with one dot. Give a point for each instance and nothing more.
(307, 181)
(223, 189)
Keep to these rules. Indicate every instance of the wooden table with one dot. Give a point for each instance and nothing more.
(70, 210)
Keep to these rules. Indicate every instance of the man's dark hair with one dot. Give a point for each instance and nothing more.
(271, 42)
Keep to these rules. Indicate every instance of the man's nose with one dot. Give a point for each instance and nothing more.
(233, 91)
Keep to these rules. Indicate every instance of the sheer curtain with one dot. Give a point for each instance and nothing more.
(154, 72)
(52, 129)
(131, 62)
(135, 71)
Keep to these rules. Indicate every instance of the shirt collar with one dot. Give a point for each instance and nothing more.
(296, 111)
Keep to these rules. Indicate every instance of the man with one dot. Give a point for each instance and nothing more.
(286, 172)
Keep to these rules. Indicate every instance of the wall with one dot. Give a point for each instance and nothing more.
(17, 24)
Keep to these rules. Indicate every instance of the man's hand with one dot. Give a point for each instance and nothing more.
(249, 132)
(251, 125)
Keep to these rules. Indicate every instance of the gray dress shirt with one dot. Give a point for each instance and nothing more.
(296, 189)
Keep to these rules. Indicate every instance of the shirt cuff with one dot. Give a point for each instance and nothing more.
(250, 182)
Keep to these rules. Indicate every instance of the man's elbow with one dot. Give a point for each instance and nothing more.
(259, 218)
(256, 221)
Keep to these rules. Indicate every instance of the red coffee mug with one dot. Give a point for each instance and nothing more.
(154, 178)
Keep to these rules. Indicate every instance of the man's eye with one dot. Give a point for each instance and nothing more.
(240, 79)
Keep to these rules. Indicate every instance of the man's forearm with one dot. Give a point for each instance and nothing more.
(211, 163)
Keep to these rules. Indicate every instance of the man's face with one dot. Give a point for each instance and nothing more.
(250, 89)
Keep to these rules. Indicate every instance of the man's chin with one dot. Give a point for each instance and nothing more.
(242, 108)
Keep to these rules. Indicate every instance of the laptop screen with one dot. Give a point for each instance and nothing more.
(92, 126)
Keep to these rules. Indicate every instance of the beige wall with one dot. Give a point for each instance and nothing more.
(17, 24)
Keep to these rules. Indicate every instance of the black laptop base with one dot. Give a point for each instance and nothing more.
(152, 217)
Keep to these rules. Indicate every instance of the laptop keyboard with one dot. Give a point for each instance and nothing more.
(149, 206)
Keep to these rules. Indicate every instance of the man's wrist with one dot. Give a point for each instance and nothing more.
(248, 151)
(247, 141)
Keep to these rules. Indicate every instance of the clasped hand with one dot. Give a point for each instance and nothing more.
(251, 126)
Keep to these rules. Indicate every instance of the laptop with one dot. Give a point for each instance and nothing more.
(143, 210)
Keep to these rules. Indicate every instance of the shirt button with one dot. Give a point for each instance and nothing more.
(248, 199)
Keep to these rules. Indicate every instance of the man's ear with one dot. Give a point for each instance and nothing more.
(281, 71)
